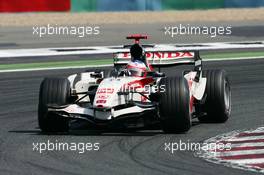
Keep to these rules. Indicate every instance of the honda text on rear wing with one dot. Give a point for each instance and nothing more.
(159, 58)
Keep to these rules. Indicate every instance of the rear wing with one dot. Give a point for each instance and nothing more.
(161, 58)
(165, 59)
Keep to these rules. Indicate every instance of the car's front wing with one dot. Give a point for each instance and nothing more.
(87, 113)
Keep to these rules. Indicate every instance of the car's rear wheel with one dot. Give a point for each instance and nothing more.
(174, 107)
(218, 97)
(53, 91)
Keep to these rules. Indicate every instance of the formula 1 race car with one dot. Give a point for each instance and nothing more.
(132, 94)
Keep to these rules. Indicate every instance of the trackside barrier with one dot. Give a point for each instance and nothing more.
(34, 5)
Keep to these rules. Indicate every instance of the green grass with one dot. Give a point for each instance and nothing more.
(232, 55)
(87, 62)
(55, 64)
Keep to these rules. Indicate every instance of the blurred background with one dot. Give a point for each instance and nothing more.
(18, 17)
(121, 5)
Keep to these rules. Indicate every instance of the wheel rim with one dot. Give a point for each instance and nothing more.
(227, 97)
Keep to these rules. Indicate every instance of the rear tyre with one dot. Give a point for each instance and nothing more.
(53, 91)
(175, 105)
(218, 100)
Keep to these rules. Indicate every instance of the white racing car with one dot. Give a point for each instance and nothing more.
(134, 94)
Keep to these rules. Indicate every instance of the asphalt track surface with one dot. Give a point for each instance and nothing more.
(114, 34)
(138, 152)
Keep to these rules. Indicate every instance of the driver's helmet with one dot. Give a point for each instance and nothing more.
(136, 68)
(137, 53)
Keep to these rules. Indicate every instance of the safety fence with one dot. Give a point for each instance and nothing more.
(121, 5)
(150, 5)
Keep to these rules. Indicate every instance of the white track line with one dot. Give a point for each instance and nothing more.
(112, 49)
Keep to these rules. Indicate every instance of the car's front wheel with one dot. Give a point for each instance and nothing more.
(53, 91)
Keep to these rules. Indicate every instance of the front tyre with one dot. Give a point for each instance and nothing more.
(175, 105)
(218, 100)
(53, 91)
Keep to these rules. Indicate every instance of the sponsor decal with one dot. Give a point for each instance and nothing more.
(101, 101)
(105, 91)
(158, 55)
(103, 96)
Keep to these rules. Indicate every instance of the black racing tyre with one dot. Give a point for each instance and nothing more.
(53, 91)
(218, 97)
(174, 107)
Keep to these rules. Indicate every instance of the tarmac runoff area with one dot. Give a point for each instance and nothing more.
(17, 29)
(216, 15)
